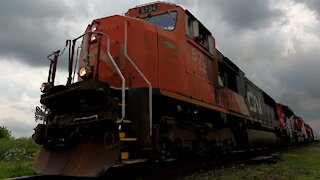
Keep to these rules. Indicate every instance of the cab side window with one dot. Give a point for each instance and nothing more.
(197, 32)
(189, 27)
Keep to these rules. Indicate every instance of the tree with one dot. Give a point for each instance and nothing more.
(4, 132)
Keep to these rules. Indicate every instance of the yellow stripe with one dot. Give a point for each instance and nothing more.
(206, 105)
(193, 101)
(124, 155)
(128, 139)
(122, 134)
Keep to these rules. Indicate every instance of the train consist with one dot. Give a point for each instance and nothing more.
(151, 85)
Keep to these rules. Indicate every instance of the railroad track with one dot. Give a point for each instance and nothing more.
(178, 169)
(46, 177)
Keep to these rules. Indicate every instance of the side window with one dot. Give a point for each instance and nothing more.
(196, 31)
(211, 45)
(202, 39)
(228, 77)
(189, 30)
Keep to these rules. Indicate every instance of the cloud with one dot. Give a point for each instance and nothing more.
(246, 14)
(18, 117)
(315, 124)
(302, 100)
(20, 94)
(313, 5)
(27, 29)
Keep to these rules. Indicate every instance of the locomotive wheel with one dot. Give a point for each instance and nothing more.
(89, 157)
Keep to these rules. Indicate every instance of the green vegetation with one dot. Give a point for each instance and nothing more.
(297, 164)
(16, 155)
(9, 169)
(4, 132)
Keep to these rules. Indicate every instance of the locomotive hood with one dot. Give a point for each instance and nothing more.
(117, 39)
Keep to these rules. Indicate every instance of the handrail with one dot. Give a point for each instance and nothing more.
(141, 74)
(53, 66)
(123, 84)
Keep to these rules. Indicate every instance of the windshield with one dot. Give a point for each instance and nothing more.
(166, 21)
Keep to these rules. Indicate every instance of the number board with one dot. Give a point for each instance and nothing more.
(148, 9)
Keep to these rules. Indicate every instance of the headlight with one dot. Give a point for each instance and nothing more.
(45, 86)
(93, 38)
(84, 72)
(95, 27)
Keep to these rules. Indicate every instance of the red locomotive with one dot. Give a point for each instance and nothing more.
(152, 85)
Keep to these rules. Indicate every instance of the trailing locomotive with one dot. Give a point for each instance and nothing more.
(152, 85)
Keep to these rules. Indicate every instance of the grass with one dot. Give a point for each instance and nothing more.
(297, 164)
(16, 157)
(9, 169)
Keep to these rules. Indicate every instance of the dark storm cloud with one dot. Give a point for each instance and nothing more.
(303, 85)
(303, 76)
(296, 77)
(247, 14)
(29, 29)
(240, 14)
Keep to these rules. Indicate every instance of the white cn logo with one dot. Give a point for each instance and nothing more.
(254, 102)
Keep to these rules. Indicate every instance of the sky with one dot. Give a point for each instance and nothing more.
(276, 43)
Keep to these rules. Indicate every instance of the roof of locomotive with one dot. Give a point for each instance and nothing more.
(160, 6)
(156, 2)
(135, 12)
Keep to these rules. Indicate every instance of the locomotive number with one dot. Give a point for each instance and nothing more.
(254, 103)
(148, 9)
(200, 60)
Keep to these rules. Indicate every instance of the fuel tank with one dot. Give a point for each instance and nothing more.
(258, 138)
